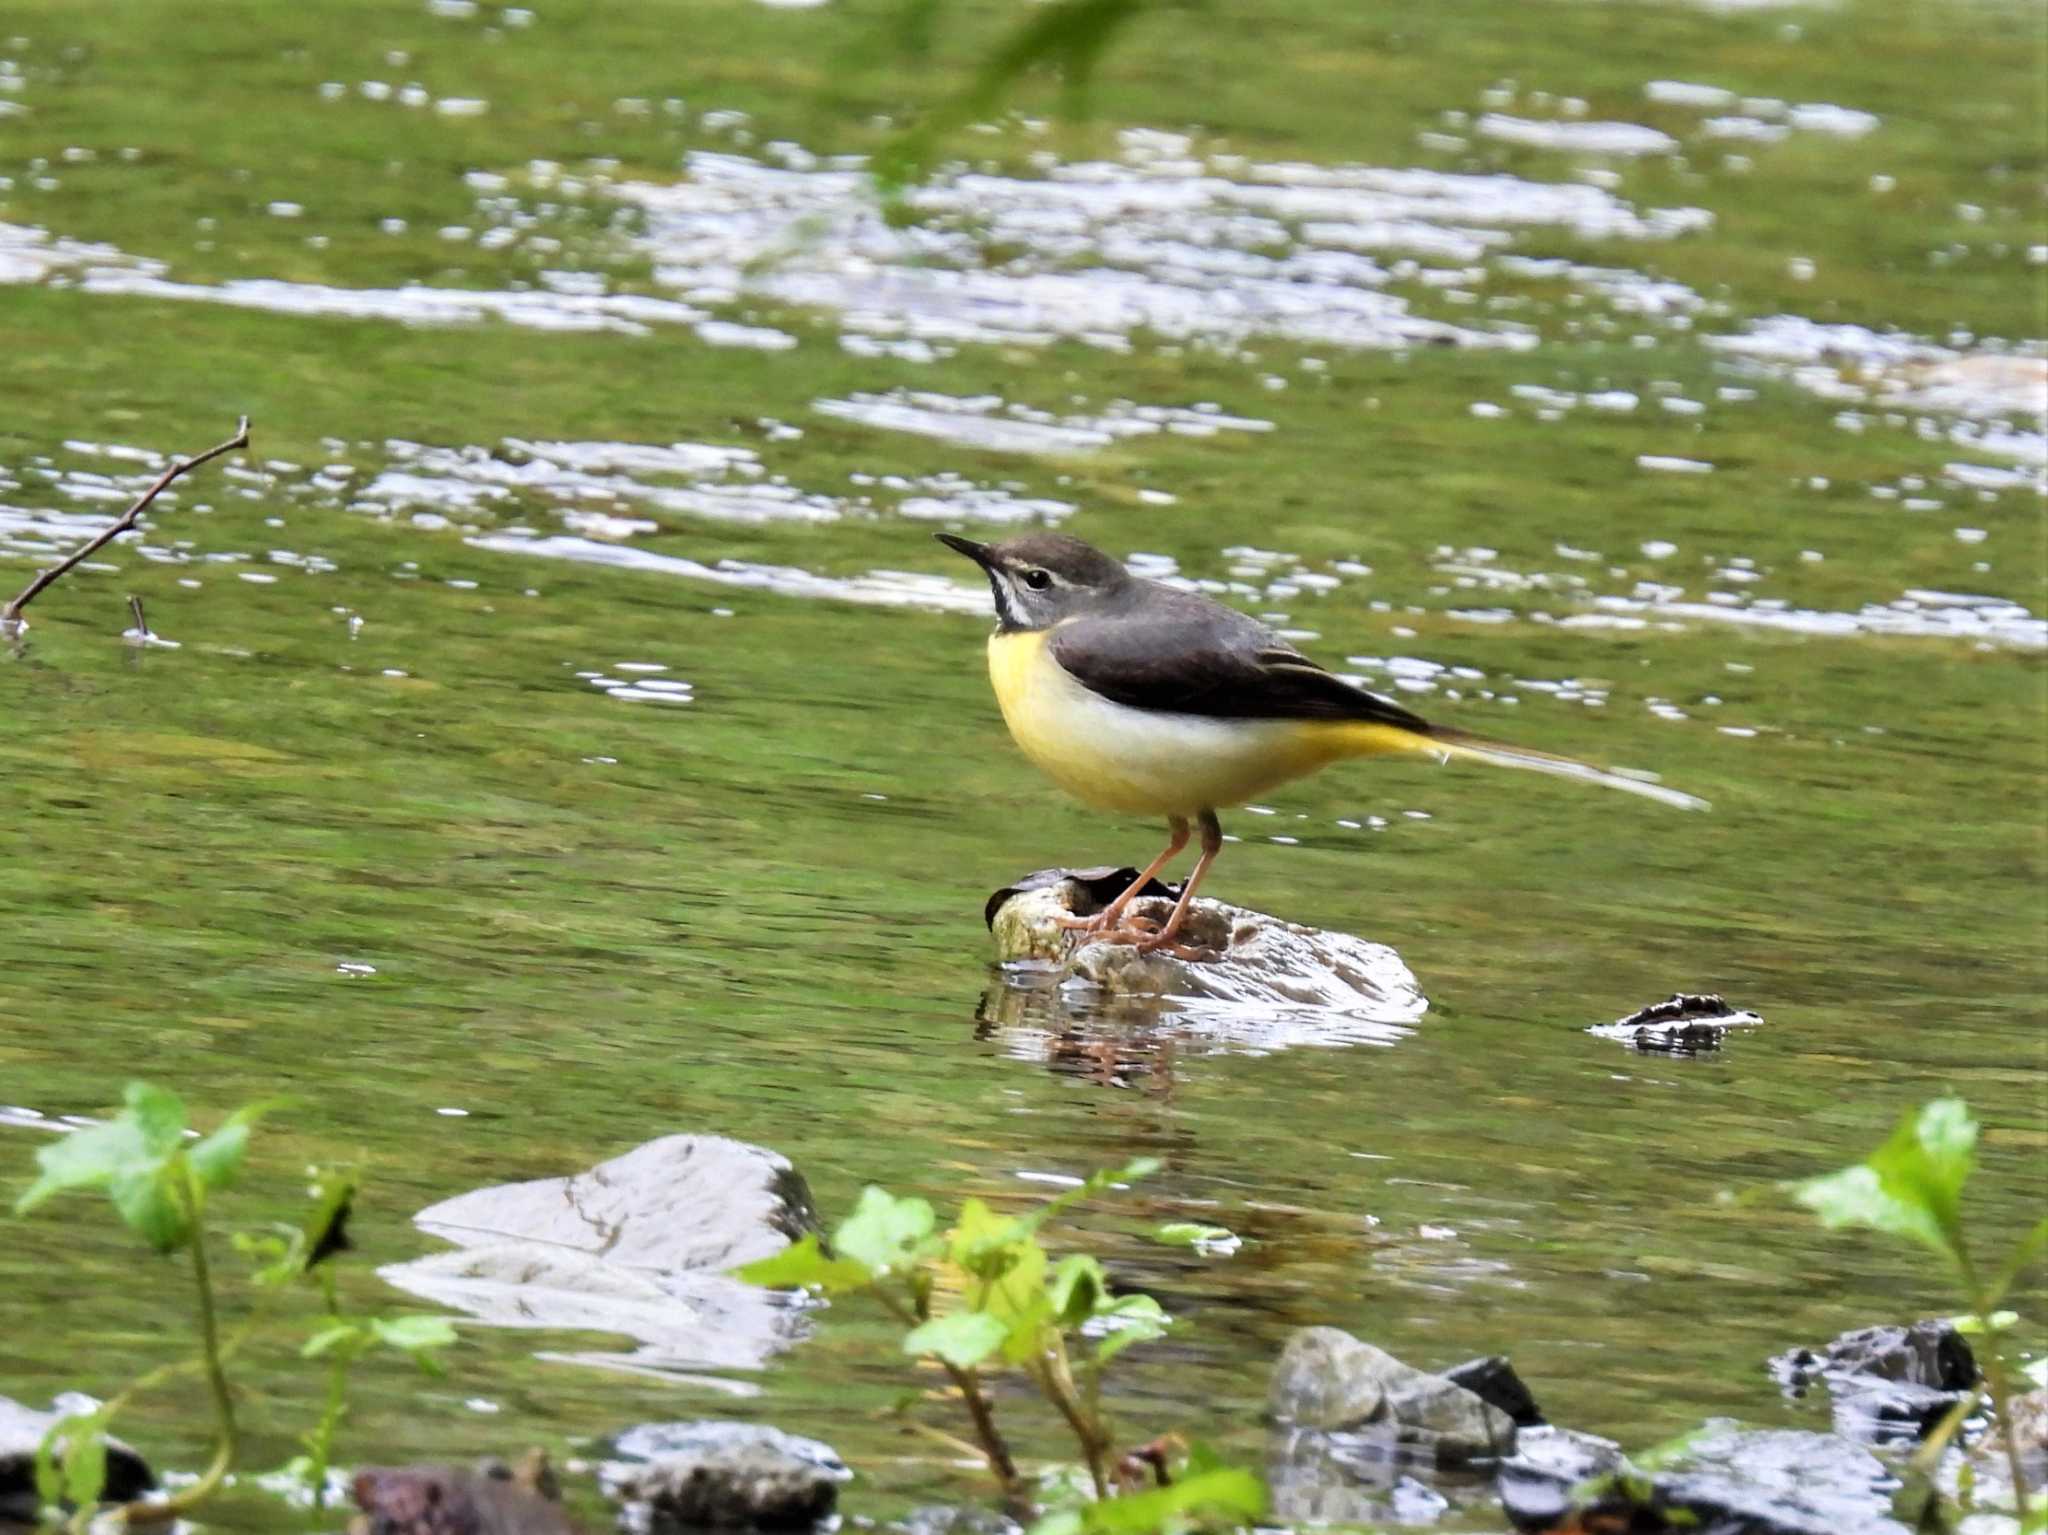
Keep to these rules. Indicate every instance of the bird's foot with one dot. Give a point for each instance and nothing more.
(1159, 943)
(1131, 930)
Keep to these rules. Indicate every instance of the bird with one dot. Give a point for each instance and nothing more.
(1140, 698)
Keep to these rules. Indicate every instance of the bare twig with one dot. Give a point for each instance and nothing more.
(10, 615)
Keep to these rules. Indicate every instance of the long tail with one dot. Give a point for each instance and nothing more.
(1456, 743)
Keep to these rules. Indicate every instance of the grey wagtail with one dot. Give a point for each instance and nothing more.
(1140, 698)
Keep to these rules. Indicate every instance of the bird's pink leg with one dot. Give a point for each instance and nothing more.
(1105, 920)
(1212, 844)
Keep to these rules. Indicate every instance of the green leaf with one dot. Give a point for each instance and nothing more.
(884, 1233)
(804, 1263)
(71, 1459)
(85, 1159)
(159, 1116)
(961, 1338)
(50, 1474)
(1228, 1493)
(1191, 1234)
(413, 1334)
(85, 1461)
(1078, 1289)
(1910, 1186)
(1065, 1521)
(330, 1338)
(1007, 1274)
(1139, 1319)
(218, 1157)
(1972, 1325)
(152, 1203)
(134, 1157)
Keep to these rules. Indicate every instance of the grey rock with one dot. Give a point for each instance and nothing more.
(1686, 1023)
(671, 1477)
(444, 1500)
(21, 1434)
(1263, 984)
(1733, 1481)
(639, 1245)
(1887, 1384)
(1492, 1379)
(1929, 1353)
(1537, 1481)
(1330, 1381)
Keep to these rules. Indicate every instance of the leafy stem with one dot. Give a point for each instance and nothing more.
(1912, 1186)
(994, 1449)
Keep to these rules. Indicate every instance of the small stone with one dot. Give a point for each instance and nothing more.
(1536, 1483)
(442, 1500)
(672, 1477)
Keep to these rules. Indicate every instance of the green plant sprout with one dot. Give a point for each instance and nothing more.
(159, 1179)
(1912, 1186)
(299, 1254)
(984, 1296)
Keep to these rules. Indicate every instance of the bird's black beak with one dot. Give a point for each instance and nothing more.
(979, 553)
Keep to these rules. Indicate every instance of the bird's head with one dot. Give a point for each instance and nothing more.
(1040, 578)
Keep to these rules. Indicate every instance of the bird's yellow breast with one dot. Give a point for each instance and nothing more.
(1152, 762)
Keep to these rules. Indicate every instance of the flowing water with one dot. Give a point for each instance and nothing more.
(568, 732)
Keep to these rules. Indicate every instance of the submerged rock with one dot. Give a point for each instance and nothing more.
(1685, 1023)
(1729, 1481)
(1886, 1384)
(1537, 1482)
(671, 1477)
(1263, 983)
(639, 1245)
(21, 1434)
(443, 1500)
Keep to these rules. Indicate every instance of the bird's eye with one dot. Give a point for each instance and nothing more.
(1038, 580)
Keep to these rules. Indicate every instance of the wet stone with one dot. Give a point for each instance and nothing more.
(1536, 1483)
(641, 1245)
(1685, 1023)
(671, 1477)
(443, 1500)
(21, 1434)
(1247, 959)
(1733, 1481)
(1887, 1384)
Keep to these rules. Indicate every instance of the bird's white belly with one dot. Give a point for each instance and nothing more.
(1139, 761)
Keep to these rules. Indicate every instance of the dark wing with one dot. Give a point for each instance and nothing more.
(1180, 653)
